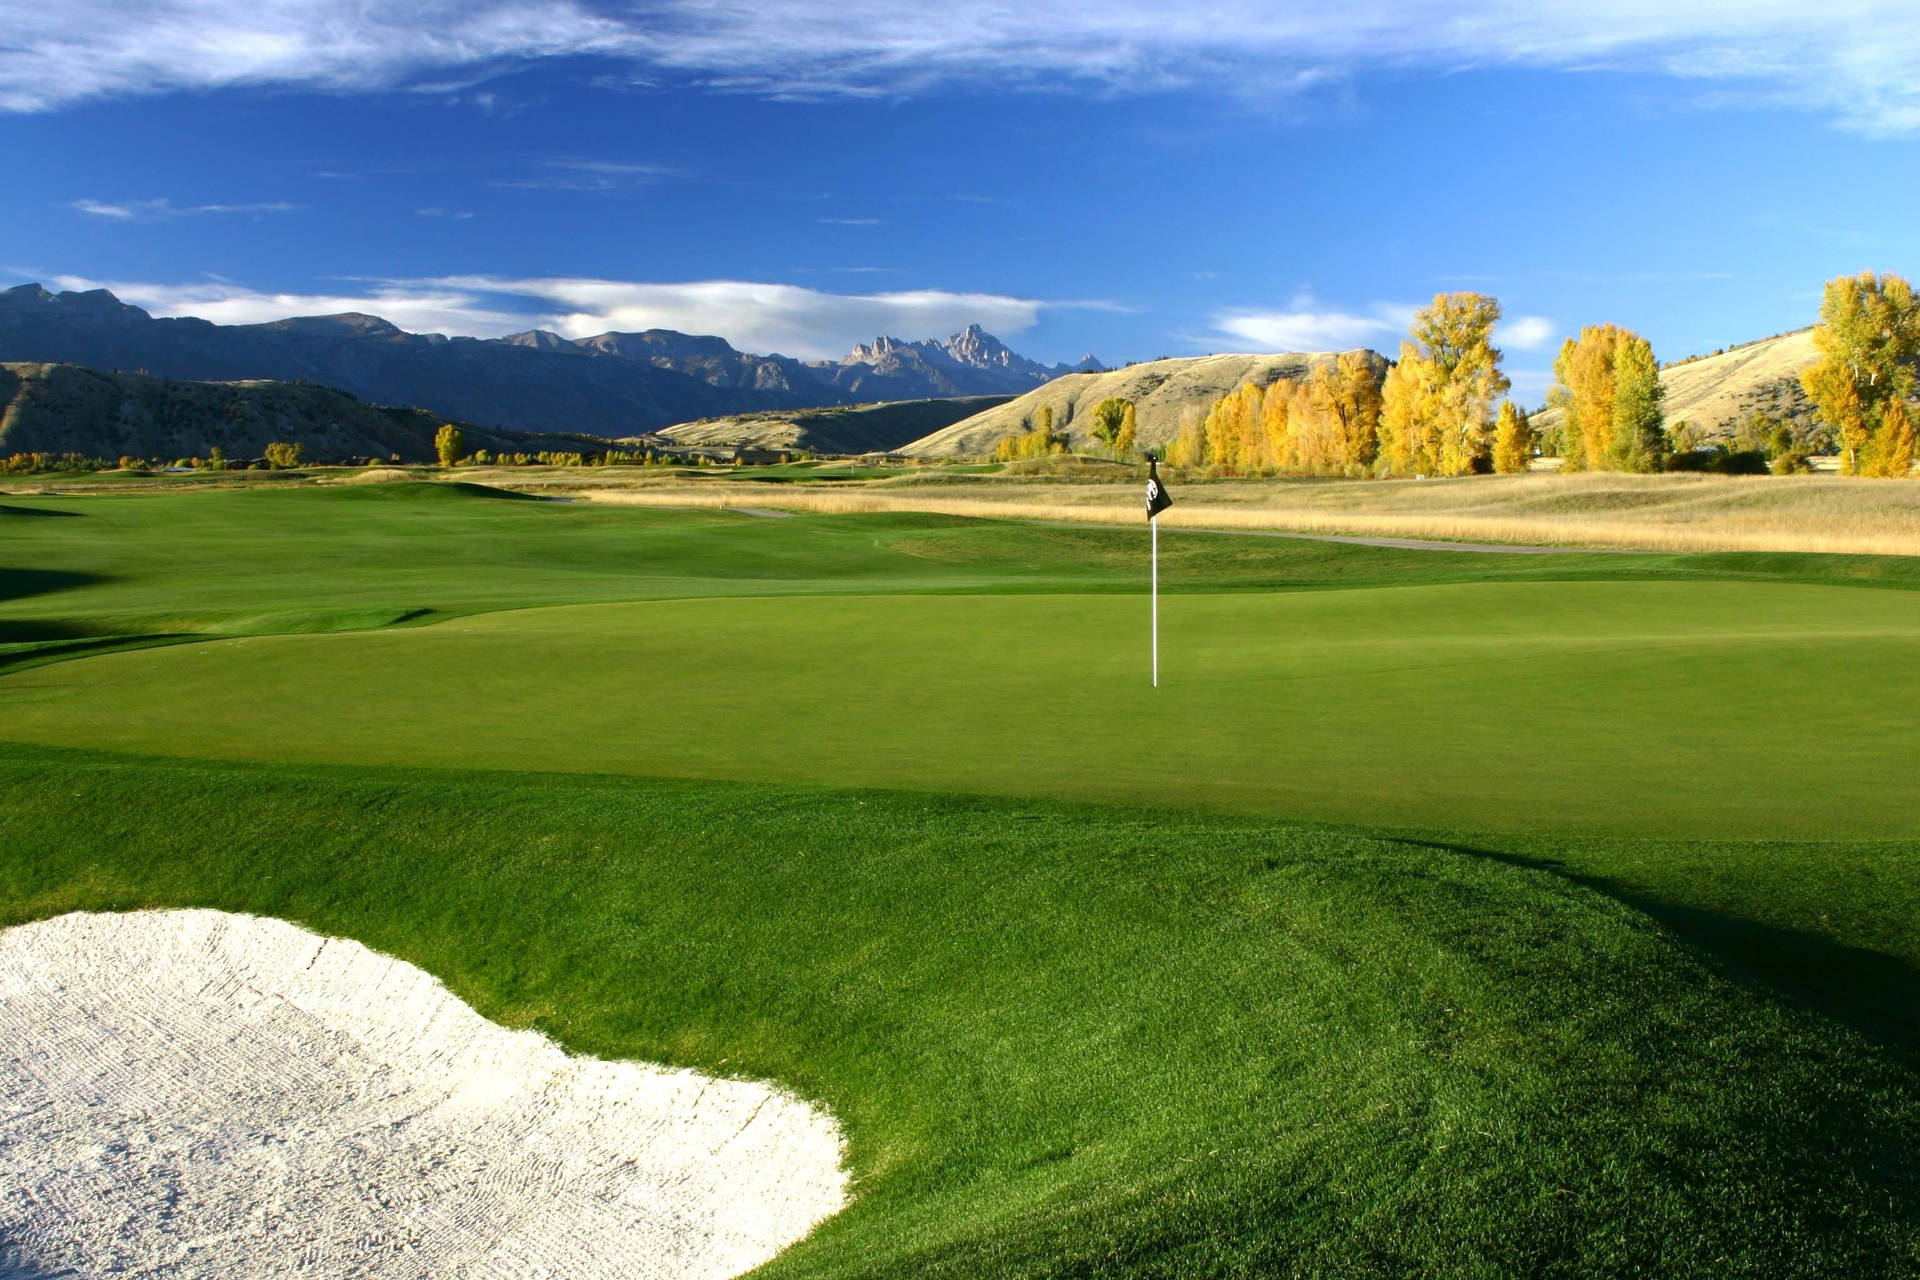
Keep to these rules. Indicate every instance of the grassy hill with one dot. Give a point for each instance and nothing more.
(1160, 389)
(870, 428)
(1441, 914)
(63, 408)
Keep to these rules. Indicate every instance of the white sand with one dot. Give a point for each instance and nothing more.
(192, 1093)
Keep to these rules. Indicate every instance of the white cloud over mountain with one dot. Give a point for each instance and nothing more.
(1853, 60)
(762, 318)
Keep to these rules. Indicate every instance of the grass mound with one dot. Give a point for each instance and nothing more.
(1075, 1041)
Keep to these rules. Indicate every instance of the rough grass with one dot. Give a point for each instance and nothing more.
(1070, 1040)
(1820, 514)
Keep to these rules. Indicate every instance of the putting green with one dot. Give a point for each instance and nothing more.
(1676, 709)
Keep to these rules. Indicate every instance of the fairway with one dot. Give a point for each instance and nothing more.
(1677, 709)
(1440, 914)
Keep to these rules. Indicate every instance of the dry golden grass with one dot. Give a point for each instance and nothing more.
(374, 475)
(1665, 513)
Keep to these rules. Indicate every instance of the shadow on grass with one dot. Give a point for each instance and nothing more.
(32, 511)
(18, 584)
(1877, 995)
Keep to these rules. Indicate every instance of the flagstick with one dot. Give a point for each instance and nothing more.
(1155, 522)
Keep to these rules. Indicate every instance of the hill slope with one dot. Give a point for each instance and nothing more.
(62, 408)
(874, 428)
(1161, 391)
(1716, 393)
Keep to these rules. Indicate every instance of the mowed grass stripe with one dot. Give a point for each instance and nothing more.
(1692, 710)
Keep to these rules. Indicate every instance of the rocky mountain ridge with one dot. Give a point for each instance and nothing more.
(610, 384)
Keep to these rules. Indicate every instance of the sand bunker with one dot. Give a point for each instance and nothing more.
(192, 1093)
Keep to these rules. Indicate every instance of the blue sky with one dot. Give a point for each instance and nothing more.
(799, 176)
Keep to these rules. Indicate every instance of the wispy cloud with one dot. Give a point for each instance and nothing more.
(1307, 326)
(163, 209)
(1852, 60)
(810, 323)
(457, 215)
(851, 222)
(568, 174)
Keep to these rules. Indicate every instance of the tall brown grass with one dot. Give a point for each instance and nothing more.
(1655, 513)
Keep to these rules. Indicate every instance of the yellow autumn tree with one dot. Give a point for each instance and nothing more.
(1232, 435)
(1436, 414)
(1512, 441)
(1189, 446)
(449, 444)
(1404, 411)
(1890, 451)
(1583, 392)
(1868, 338)
(1123, 444)
(1276, 425)
(1346, 394)
(1037, 443)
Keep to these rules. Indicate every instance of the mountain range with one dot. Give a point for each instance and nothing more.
(611, 384)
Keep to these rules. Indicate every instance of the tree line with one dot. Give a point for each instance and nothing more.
(1441, 409)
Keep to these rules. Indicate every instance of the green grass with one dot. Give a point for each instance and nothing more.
(1071, 1040)
(1684, 709)
(1602, 957)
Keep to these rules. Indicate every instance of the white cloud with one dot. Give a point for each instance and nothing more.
(754, 317)
(162, 209)
(1854, 60)
(1525, 333)
(417, 310)
(796, 321)
(1305, 326)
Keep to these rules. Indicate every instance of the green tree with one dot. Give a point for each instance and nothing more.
(450, 444)
(1639, 436)
(280, 454)
(1512, 440)
(1108, 417)
(1868, 337)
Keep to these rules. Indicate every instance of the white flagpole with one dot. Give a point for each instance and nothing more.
(1155, 522)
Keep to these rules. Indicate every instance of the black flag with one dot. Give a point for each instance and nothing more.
(1157, 499)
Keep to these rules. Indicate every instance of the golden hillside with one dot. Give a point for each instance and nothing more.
(1161, 391)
